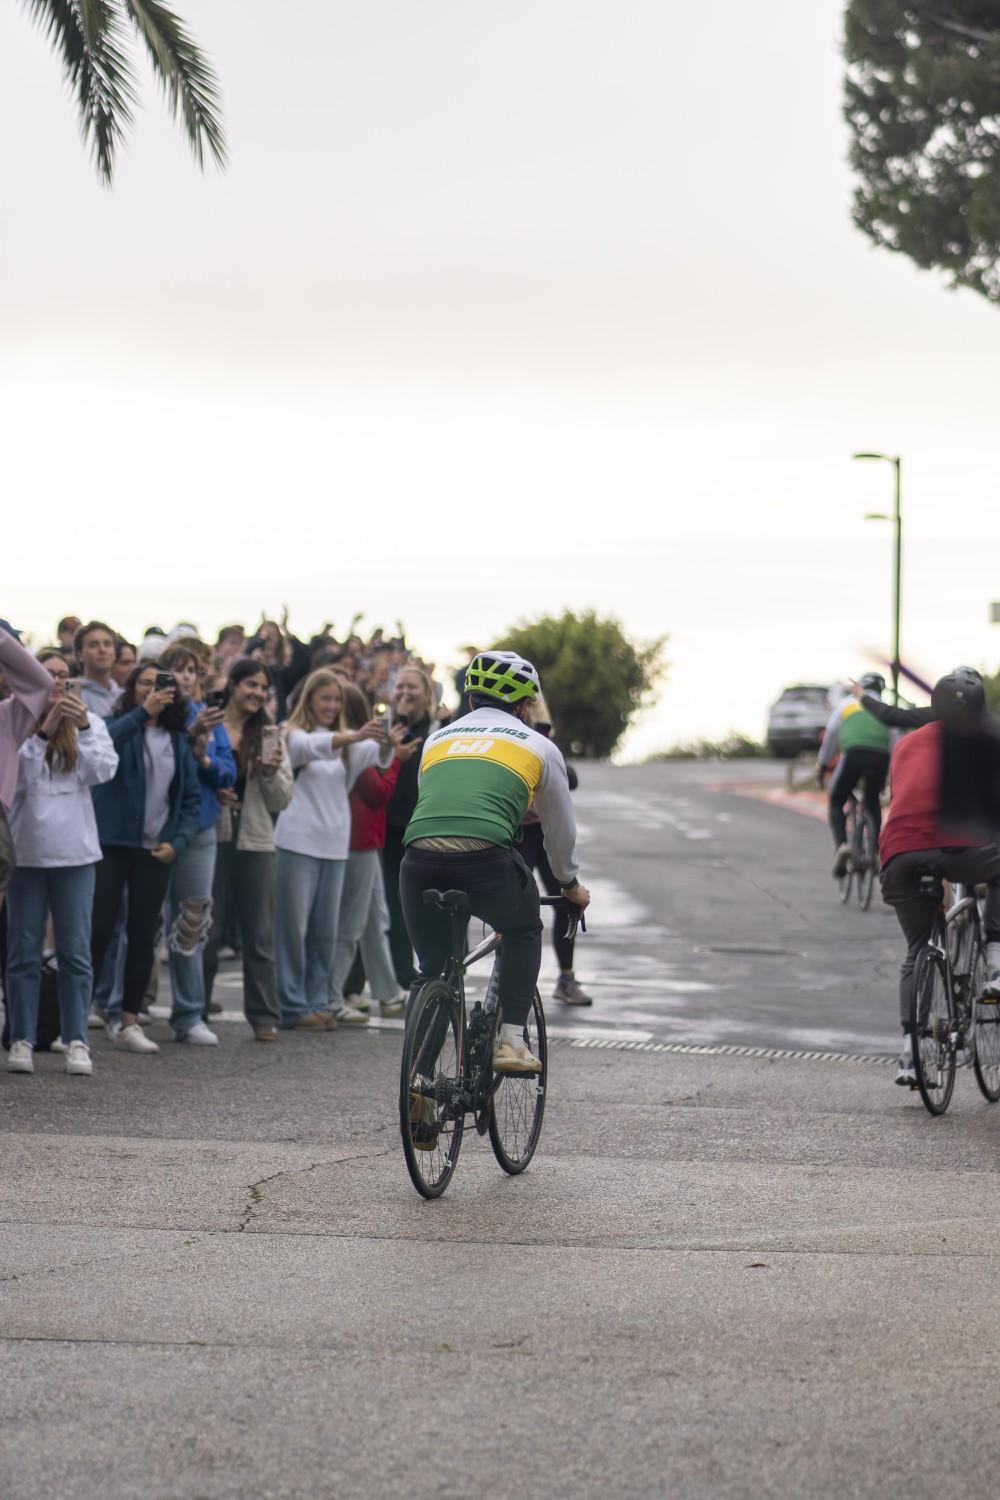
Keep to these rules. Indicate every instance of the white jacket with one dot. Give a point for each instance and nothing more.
(52, 819)
(318, 819)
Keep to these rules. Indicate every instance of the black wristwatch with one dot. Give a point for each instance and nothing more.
(569, 885)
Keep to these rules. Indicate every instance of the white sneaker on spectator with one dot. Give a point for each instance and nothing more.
(391, 1010)
(145, 1019)
(19, 1058)
(78, 1060)
(58, 1045)
(131, 1039)
(347, 1015)
(199, 1035)
(358, 1002)
(96, 1020)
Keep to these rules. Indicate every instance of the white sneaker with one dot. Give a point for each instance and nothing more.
(841, 860)
(132, 1040)
(95, 1021)
(19, 1058)
(199, 1035)
(58, 1045)
(358, 1002)
(78, 1060)
(348, 1015)
(991, 989)
(906, 1073)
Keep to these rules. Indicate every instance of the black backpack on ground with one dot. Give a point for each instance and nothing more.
(49, 1022)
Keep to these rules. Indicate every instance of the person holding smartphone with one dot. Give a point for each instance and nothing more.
(363, 924)
(146, 817)
(244, 864)
(55, 838)
(313, 841)
(189, 896)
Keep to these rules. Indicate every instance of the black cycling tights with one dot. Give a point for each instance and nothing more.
(502, 892)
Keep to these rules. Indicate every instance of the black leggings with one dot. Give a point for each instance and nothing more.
(146, 879)
(502, 892)
(873, 765)
(531, 847)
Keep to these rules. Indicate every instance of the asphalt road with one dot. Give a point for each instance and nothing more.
(716, 919)
(723, 1276)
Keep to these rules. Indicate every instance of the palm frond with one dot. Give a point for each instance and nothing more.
(87, 34)
(188, 80)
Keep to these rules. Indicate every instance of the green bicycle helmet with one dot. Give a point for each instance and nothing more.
(503, 676)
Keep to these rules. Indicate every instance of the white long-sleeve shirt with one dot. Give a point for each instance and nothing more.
(317, 821)
(52, 819)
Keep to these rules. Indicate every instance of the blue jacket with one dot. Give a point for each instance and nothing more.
(120, 804)
(220, 771)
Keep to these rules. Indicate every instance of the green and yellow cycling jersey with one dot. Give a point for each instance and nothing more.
(478, 777)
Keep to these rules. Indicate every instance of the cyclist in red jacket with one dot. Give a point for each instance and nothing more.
(944, 821)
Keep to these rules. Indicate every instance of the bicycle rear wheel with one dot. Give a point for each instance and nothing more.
(931, 1030)
(986, 1033)
(431, 1112)
(867, 862)
(518, 1103)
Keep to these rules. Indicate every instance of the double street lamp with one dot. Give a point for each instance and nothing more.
(896, 519)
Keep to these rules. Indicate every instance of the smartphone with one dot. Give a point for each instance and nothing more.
(74, 686)
(216, 698)
(270, 741)
(382, 715)
(164, 680)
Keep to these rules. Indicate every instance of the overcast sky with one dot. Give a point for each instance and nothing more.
(497, 310)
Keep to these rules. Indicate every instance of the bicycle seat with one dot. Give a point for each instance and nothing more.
(447, 900)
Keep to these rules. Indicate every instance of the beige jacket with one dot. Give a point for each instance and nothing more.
(265, 797)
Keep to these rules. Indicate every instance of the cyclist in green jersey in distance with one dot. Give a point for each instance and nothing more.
(477, 778)
(862, 743)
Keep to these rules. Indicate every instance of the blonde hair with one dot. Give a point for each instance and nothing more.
(355, 713)
(430, 702)
(301, 716)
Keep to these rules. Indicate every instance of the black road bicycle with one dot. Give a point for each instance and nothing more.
(949, 1013)
(447, 1064)
(862, 841)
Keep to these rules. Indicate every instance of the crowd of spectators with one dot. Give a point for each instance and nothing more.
(245, 798)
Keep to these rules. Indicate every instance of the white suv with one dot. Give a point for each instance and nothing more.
(797, 721)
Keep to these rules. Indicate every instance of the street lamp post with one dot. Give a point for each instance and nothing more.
(897, 520)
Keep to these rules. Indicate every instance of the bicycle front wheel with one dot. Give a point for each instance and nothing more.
(867, 860)
(986, 1032)
(931, 1029)
(431, 1111)
(518, 1103)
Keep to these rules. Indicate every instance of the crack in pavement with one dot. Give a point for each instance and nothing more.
(255, 1189)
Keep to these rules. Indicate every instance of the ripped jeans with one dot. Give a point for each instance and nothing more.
(188, 923)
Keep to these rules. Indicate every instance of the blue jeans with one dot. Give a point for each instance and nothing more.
(308, 908)
(364, 922)
(69, 894)
(191, 878)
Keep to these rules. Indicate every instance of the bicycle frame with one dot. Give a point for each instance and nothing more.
(472, 1095)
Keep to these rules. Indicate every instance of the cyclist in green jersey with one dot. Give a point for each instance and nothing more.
(862, 743)
(477, 778)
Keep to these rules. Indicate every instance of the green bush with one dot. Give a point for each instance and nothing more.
(733, 747)
(594, 678)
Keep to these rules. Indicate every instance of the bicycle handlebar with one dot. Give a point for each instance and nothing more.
(575, 917)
